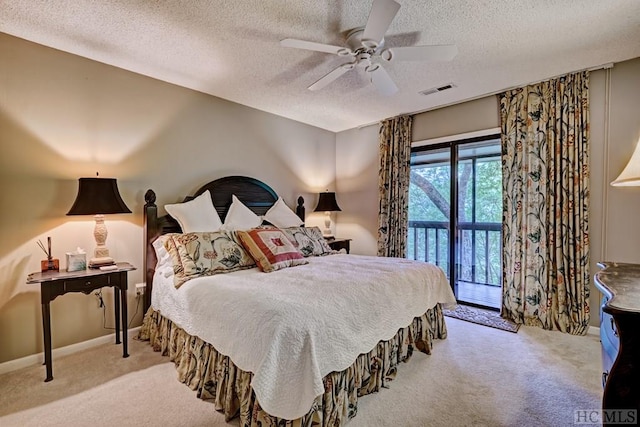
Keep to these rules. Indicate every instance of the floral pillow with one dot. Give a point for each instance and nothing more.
(208, 253)
(271, 249)
(308, 240)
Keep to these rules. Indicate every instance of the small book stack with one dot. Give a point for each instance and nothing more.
(101, 262)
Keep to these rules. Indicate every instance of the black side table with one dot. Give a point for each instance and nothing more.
(54, 283)
(337, 243)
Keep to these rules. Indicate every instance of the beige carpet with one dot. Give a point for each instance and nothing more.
(479, 376)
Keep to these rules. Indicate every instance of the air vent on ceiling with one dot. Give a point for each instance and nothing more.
(437, 89)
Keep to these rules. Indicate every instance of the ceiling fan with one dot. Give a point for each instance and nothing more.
(366, 50)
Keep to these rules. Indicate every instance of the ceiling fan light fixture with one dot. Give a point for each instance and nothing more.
(370, 44)
(371, 68)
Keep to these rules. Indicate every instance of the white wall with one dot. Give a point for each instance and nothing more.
(357, 188)
(621, 231)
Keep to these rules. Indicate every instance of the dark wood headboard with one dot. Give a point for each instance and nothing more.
(255, 194)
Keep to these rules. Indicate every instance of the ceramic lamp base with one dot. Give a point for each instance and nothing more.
(327, 233)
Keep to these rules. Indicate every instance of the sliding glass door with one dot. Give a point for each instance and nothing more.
(471, 205)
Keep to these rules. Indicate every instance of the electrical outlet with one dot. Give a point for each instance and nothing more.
(140, 287)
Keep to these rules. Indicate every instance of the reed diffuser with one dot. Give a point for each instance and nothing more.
(51, 263)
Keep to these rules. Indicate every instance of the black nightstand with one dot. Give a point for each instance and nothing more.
(54, 284)
(336, 244)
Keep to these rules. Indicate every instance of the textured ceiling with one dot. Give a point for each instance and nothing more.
(231, 49)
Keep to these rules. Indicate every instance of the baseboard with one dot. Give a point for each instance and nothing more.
(38, 359)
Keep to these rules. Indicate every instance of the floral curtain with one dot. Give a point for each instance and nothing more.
(545, 167)
(393, 185)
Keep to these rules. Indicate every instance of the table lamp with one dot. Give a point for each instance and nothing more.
(98, 197)
(327, 204)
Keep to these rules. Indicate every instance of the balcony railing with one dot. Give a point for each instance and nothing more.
(479, 249)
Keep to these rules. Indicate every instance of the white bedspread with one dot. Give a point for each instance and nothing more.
(293, 326)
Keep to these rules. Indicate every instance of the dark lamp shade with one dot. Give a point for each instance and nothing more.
(98, 196)
(327, 203)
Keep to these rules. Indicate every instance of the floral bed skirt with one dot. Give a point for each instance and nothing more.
(218, 380)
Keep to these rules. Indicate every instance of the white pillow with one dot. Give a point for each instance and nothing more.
(240, 217)
(161, 253)
(164, 264)
(282, 216)
(196, 215)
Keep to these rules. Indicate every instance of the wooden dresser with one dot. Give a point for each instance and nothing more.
(620, 334)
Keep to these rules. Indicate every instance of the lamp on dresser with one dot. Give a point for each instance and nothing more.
(99, 197)
(630, 175)
(327, 203)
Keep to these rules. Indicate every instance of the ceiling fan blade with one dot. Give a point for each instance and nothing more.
(324, 81)
(421, 53)
(382, 80)
(380, 17)
(318, 47)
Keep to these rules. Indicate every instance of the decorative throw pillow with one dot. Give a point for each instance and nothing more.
(205, 254)
(271, 249)
(196, 215)
(164, 263)
(240, 217)
(162, 254)
(282, 216)
(309, 241)
(165, 245)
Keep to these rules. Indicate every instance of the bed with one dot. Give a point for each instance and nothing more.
(293, 347)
